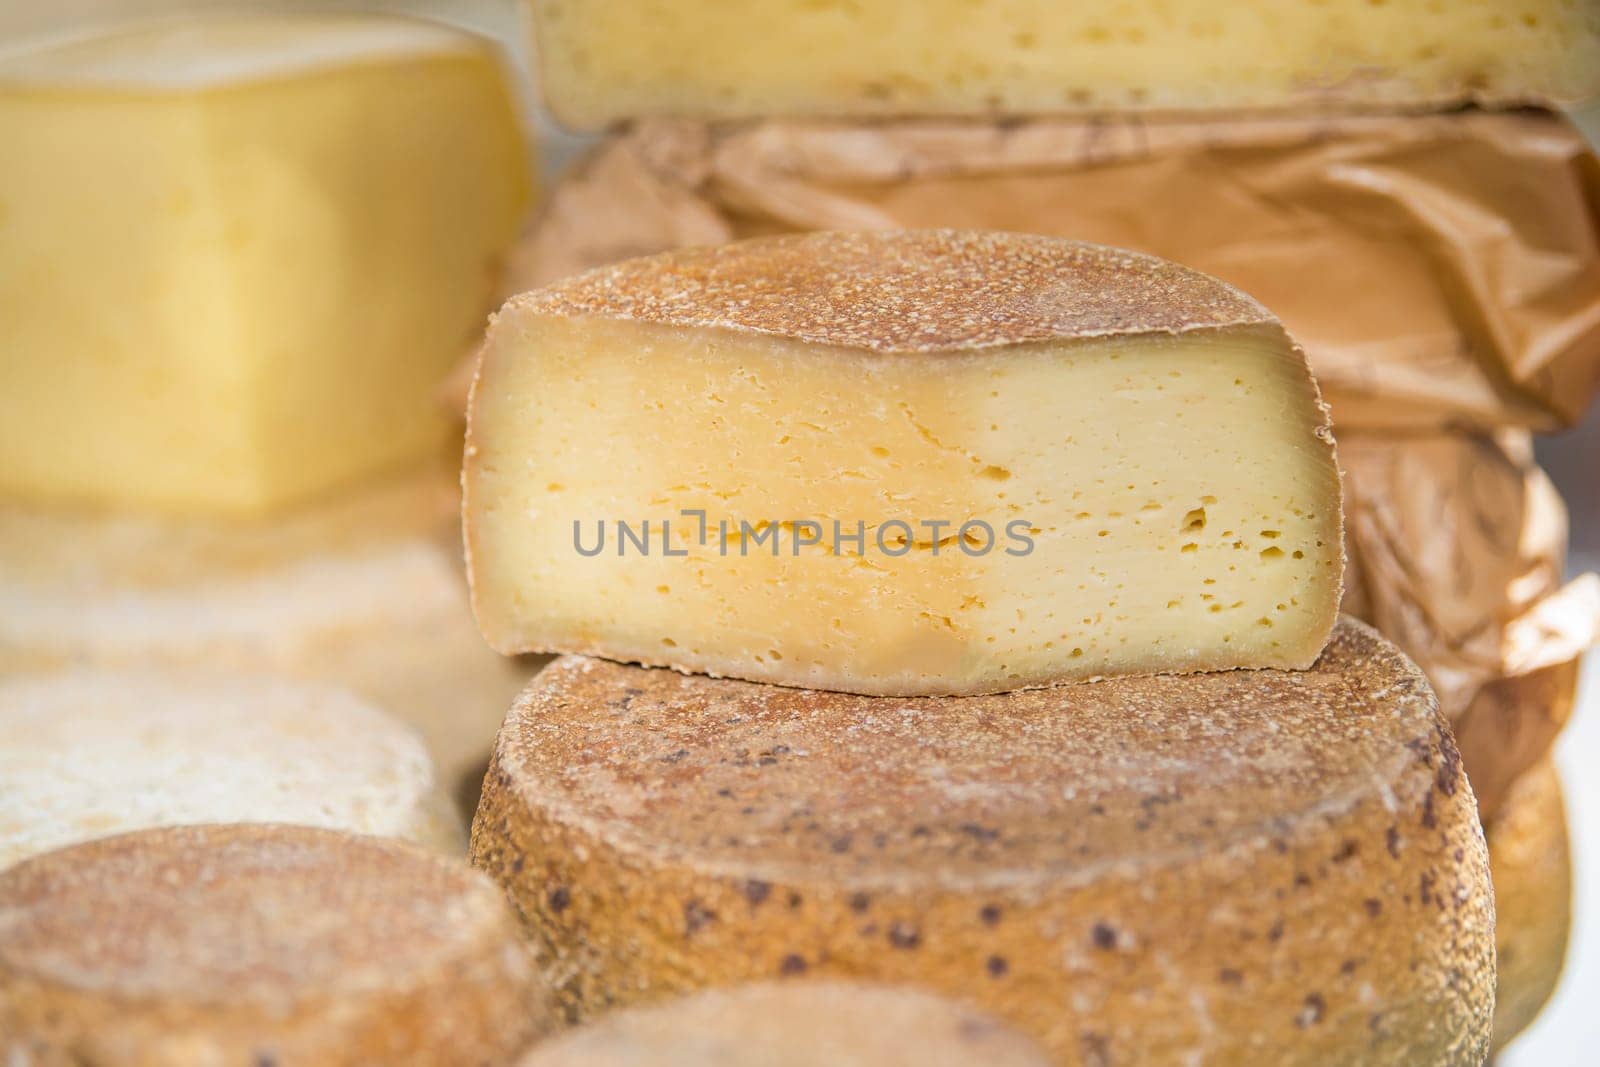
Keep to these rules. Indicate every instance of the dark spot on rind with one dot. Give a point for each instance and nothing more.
(757, 891)
(997, 966)
(1104, 936)
(792, 964)
(1391, 841)
(860, 902)
(989, 914)
(1229, 976)
(1311, 1012)
(560, 897)
(904, 935)
(1449, 776)
(1374, 906)
(696, 917)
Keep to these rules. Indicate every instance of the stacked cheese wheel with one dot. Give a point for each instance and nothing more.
(1118, 787)
(1396, 180)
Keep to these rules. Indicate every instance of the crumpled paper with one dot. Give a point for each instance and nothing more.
(1456, 544)
(1440, 270)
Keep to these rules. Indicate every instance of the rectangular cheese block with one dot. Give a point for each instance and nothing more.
(606, 60)
(237, 254)
(926, 462)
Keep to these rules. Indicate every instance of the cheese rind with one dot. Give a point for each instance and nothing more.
(894, 464)
(1530, 862)
(236, 259)
(1222, 868)
(86, 754)
(607, 60)
(194, 946)
(794, 1024)
(364, 593)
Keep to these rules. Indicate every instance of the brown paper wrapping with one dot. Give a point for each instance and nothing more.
(1442, 272)
(1457, 543)
(1439, 270)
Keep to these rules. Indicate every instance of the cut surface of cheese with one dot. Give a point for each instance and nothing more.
(204, 945)
(238, 253)
(365, 593)
(795, 1024)
(1236, 867)
(1531, 863)
(607, 60)
(86, 754)
(925, 462)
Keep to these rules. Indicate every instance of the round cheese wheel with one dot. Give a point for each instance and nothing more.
(87, 753)
(1531, 863)
(364, 592)
(1241, 867)
(259, 944)
(795, 1024)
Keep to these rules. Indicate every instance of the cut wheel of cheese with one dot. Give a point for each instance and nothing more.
(607, 60)
(365, 593)
(1227, 868)
(87, 754)
(795, 1024)
(903, 463)
(1530, 861)
(205, 945)
(241, 251)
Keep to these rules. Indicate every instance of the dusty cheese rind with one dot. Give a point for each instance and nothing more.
(1129, 460)
(607, 60)
(86, 754)
(195, 946)
(364, 593)
(1531, 864)
(794, 1024)
(240, 252)
(1243, 867)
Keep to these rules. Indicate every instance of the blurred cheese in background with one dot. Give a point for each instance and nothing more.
(87, 754)
(237, 253)
(606, 60)
(1530, 861)
(365, 593)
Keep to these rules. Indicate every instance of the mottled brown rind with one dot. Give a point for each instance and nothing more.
(907, 292)
(794, 1024)
(1240, 867)
(259, 944)
(1531, 863)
